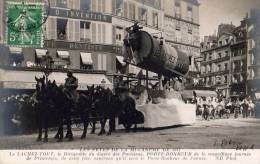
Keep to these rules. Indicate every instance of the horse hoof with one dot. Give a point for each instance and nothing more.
(92, 132)
(45, 140)
(56, 136)
(83, 137)
(109, 134)
(38, 139)
(70, 139)
(60, 140)
(101, 133)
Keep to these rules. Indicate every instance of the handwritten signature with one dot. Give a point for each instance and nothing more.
(233, 144)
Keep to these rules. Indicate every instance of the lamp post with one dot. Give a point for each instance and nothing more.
(48, 66)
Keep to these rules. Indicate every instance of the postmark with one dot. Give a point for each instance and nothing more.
(24, 23)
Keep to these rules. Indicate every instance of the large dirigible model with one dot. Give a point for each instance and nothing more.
(145, 51)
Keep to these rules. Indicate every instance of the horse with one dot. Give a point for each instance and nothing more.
(64, 105)
(40, 106)
(84, 107)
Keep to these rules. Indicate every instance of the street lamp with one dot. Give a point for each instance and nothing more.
(47, 70)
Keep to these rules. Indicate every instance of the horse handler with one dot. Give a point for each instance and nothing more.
(71, 85)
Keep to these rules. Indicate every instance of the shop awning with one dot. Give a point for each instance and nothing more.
(15, 50)
(121, 60)
(205, 93)
(40, 53)
(63, 54)
(86, 58)
(12, 79)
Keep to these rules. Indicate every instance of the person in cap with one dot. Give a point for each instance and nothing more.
(71, 84)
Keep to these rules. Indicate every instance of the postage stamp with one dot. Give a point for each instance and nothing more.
(24, 24)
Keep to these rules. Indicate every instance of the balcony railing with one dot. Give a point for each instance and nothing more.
(216, 60)
(215, 73)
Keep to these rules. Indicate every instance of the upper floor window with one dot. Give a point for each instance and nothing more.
(219, 55)
(227, 41)
(225, 79)
(85, 5)
(132, 11)
(189, 13)
(142, 15)
(61, 3)
(85, 33)
(189, 30)
(226, 53)
(226, 66)
(177, 9)
(210, 56)
(62, 29)
(155, 19)
(119, 7)
(219, 67)
(220, 43)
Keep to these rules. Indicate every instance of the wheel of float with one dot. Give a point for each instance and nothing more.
(127, 126)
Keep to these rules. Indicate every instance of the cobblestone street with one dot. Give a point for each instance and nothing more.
(219, 133)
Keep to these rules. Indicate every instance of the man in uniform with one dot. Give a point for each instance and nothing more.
(71, 85)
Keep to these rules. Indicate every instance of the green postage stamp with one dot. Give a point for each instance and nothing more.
(24, 24)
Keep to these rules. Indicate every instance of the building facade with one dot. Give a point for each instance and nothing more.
(181, 28)
(239, 60)
(253, 60)
(225, 60)
(87, 35)
(216, 55)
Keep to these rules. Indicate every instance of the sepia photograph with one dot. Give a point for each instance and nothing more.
(129, 74)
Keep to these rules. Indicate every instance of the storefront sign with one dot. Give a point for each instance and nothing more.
(83, 46)
(77, 14)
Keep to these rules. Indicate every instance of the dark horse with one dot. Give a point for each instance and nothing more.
(40, 104)
(64, 105)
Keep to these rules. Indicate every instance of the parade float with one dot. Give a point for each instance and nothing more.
(161, 106)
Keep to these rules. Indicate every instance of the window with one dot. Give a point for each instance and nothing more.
(226, 53)
(227, 41)
(85, 5)
(102, 62)
(132, 11)
(61, 3)
(177, 9)
(225, 79)
(119, 35)
(220, 43)
(16, 56)
(142, 15)
(210, 67)
(210, 56)
(85, 33)
(219, 55)
(119, 7)
(226, 66)
(61, 29)
(51, 28)
(155, 20)
(73, 30)
(178, 26)
(189, 14)
(189, 30)
(205, 57)
(219, 67)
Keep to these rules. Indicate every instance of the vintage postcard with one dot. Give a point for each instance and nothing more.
(125, 81)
